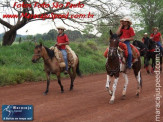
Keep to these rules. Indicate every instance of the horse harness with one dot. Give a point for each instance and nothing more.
(117, 69)
(40, 56)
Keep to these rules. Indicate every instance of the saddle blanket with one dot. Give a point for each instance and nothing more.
(71, 56)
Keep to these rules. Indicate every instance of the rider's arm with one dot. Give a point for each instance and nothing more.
(130, 39)
(66, 43)
(119, 29)
(152, 36)
(132, 34)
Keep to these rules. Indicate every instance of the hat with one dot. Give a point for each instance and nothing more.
(126, 19)
(145, 33)
(61, 27)
(155, 28)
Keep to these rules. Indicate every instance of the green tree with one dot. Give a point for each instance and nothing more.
(150, 12)
(104, 27)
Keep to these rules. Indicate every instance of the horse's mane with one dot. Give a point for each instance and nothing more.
(139, 44)
(152, 44)
(50, 52)
(114, 36)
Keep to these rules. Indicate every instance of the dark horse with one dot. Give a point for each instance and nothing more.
(113, 68)
(143, 48)
(51, 65)
(150, 52)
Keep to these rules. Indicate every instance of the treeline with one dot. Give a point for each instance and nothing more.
(73, 35)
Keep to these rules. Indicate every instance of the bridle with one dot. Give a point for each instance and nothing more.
(41, 56)
(114, 51)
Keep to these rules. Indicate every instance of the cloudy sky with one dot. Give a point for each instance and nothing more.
(41, 27)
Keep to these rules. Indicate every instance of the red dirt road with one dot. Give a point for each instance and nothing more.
(88, 102)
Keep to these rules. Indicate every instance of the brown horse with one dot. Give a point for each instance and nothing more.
(114, 67)
(51, 66)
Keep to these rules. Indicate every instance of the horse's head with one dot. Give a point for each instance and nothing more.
(37, 53)
(152, 44)
(139, 45)
(114, 42)
(135, 43)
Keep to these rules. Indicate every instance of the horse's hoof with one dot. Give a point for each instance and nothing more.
(107, 88)
(62, 91)
(45, 93)
(110, 92)
(71, 89)
(123, 97)
(111, 101)
(137, 94)
(148, 72)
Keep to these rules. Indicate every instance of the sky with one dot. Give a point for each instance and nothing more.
(40, 27)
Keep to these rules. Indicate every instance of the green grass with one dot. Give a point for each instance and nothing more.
(16, 66)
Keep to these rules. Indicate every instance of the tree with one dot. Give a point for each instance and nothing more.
(104, 27)
(100, 9)
(150, 13)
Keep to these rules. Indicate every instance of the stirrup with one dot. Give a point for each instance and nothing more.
(65, 72)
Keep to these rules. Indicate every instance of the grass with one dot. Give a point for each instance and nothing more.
(16, 66)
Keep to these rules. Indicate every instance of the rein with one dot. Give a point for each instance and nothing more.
(112, 48)
(41, 56)
(113, 71)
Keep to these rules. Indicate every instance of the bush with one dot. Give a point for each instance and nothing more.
(16, 65)
(92, 45)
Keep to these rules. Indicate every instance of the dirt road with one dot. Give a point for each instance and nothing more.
(88, 102)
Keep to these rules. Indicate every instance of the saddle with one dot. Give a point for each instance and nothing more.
(71, 56)
(135, 52)
(123, 48)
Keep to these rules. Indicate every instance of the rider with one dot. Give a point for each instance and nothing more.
(127, 35)
(145, 40)
(156, 36)
(62, 41)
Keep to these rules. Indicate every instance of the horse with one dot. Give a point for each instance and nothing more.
(51, 66)
(150, 53)
(141, 47)
(113, 69)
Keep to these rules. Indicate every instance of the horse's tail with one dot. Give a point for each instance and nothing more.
(77, 68)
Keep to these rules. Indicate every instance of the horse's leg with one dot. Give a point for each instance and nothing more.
(72, 76)
(108, 81)
(153, 63)
(48, 82)
(137, 67)
(147, 64)
(114, 89)
(125, 85)
(59, 82)
(144, 61)
(139, 79)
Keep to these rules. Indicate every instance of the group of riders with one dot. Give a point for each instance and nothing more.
(126, 33)
(155, 36)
